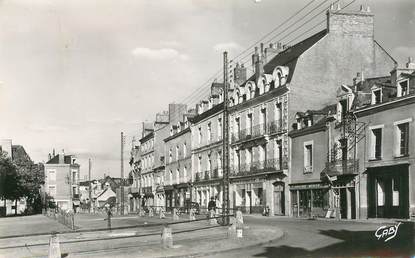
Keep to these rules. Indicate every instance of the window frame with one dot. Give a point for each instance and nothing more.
(397, 137)
(308, 160)
(372, 142)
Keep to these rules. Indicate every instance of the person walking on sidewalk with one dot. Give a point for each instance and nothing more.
(212, 204)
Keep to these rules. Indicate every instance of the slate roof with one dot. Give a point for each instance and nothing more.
(289, 56)
(55, 160)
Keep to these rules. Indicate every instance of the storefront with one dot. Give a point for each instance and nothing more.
(169, 197)
(309, 200)
(249, 197)
(388, 192)
(160, 197)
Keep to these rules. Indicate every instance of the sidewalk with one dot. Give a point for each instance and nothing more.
(190, 244)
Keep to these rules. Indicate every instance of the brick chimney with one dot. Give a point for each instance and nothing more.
(62, 157)
(359, 23)
(410, 64)
(258, 63)
(239, 74)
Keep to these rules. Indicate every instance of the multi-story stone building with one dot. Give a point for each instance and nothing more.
(387, 145)
(178, 163)
(353, 157)
(293, 79)
(207, 130)
(62, 180)
(147, 164)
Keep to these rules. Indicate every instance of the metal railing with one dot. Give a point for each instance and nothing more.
(342, 167)
(257, 131)
(207, 175)
(268, 165)
(65, 217)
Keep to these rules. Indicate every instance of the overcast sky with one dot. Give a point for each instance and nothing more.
(74, 74)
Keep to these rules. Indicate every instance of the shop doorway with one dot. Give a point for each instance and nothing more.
(388, 192)
(279, 199)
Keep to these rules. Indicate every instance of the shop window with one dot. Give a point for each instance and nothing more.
(381, 193)
(395, 191)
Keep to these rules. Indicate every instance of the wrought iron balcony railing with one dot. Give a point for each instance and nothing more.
(256, 167)
(342, 167)
(257, 131)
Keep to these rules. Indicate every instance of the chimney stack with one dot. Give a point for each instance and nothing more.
(410, 64)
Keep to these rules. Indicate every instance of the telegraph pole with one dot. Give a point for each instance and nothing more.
(225, 134)
(90, 185)
(122, 173)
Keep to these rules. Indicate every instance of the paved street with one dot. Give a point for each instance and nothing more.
(316, 238)
(302, 238)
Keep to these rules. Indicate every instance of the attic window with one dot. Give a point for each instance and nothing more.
(376, 96)
(403, 88)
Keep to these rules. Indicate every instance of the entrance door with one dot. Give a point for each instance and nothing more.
(278, 202)
(249, 202)
(343, 203)
(388, 192)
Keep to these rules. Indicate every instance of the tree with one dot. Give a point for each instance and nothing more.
(10, 188)
(21, 178)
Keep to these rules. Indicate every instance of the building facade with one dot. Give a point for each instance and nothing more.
(286, 81)
(178, 168)
(206, 149)
(62, 181)
(387, 146)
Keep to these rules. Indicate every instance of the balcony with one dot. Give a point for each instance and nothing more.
(75, 196)
(257, 131)
(270, 165)
(207, 175)
(342, 167)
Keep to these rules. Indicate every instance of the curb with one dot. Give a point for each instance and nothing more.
(283, 234)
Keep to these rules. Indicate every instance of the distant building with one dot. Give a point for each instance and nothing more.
(62, 180)
(178, 163)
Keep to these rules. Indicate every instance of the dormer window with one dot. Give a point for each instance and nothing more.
(171, 131)
(403, 88)
(299, 125)
(309, 122)
(376, 96)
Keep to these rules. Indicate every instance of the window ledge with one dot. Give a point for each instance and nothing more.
(401, 156)
(375, 159)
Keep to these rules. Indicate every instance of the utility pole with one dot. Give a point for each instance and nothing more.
(225, 134)
(90, 185)
(122, 173)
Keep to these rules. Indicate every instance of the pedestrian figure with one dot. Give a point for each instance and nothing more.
(266, 211)
(212, 204)
(109, 214)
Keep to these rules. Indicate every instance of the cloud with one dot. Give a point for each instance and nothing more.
(226, 46)
(171, 43)
(159, 54)
(402, 53)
